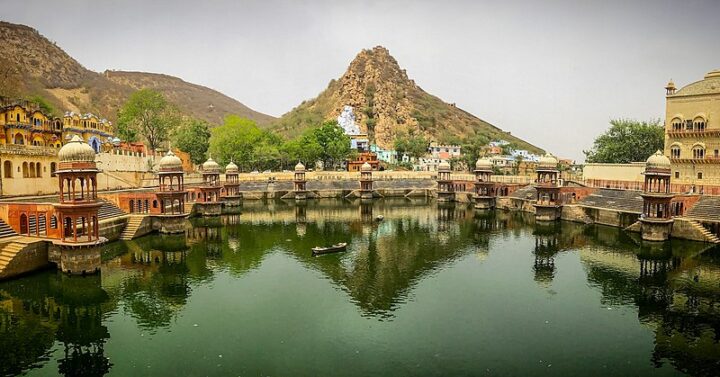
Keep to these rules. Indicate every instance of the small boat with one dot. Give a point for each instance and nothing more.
(330, 249)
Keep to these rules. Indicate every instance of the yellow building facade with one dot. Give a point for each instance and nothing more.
(692, 135)
(30, 140)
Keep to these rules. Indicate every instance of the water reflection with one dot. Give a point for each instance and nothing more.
(45, 308)
(48, 318)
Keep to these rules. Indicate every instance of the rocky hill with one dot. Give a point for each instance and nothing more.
(386, 103)
(32, 65)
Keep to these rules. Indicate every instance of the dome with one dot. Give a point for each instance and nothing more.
(299, 166)
(444, 165)
(547, 161)
(658, 161)
(483, 164)
(210, 166)
(76, 150)
(366, 167)
(710, 84)
(231, 168)
(170, 162)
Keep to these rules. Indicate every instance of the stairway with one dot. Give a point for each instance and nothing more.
(6, 230)
(706, 208)
(8, 252)
(131, 228)
(109, 210)
(709, 236)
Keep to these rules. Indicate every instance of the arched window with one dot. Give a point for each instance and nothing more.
(698, 152)
(700, 175)
(7, 169)
(53, 167)
(18, 139)
(25, 169)
(677, 124)
(699, 123)
(154, 203)
(38, 170)
(675, 151)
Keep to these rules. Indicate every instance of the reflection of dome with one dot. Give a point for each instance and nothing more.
(548, 161)
(299, 166)
(658, 161)
(76, 150)
(231, 168)
(210, 166)
(170, 162)
(444, 166)
(483, 164)
(366, 167)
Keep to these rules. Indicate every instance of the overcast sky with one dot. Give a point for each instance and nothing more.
(551, 72)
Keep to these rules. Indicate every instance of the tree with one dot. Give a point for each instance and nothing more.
(413, 145)
(472, 148)
(331, 138)
(148, 114)
(627, 141)
(193, 137)
(235, 140)
(45, 106)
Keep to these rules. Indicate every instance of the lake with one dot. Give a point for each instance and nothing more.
(432, 290)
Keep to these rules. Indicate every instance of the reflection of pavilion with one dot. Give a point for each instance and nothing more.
(546, 247)
(48, 307)
(676, 288)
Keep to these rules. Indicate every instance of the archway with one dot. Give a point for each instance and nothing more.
(95, 143)
(23, 224)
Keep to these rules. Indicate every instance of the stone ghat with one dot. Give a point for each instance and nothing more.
(618, 200)
(707, 208)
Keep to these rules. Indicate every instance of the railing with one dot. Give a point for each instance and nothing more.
(28, 149)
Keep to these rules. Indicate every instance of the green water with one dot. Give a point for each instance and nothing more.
(429, 291)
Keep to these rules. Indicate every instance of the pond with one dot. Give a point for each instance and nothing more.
(432, 290)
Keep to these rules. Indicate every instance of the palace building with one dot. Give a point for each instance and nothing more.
(24, 123)
(95, 131)
(692, 135)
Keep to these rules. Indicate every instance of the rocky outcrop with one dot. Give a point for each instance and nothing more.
(386, 103)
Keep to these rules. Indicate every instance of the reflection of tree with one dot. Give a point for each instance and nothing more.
(49, 306)
(384, 264)
(155, 298)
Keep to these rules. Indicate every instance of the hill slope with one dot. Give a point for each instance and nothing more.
(194, 99)
(386, 102)
(32, 65)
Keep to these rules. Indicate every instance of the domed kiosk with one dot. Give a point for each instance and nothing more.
(208, 199)
(299, 182)
(171, 194)
(547, 202)
(231, 195)
(484, 188)
(656, 220)
(76, 250)
(366, 181)
(445, 187)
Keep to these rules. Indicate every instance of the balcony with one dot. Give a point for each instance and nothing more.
(684, 133)
(28, 150)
